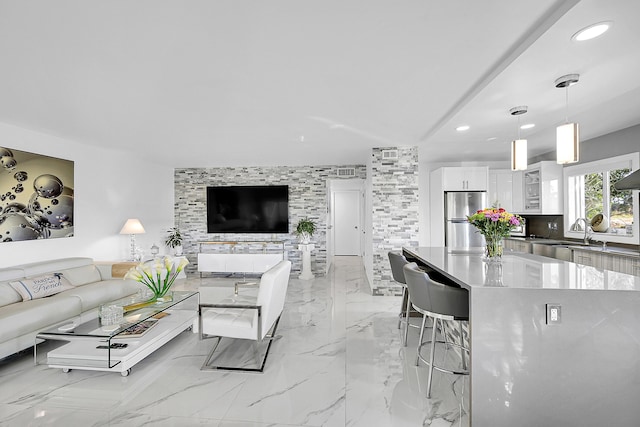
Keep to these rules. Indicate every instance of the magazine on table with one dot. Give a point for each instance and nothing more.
(139, 329)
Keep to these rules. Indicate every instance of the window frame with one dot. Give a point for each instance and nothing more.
(631, 161)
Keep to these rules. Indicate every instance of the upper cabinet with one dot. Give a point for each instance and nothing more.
(505, 190)
(542, 189)
(465, 178)
(501, 189)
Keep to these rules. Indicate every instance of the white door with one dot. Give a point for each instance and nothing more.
(347, 222)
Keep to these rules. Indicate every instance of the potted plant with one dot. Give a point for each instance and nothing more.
(305, 229)
(174, 240)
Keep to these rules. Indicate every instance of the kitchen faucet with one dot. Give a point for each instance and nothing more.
(587, 229)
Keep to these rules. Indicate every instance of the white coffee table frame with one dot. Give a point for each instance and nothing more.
(80, 352)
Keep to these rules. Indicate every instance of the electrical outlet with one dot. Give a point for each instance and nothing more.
(554, 314)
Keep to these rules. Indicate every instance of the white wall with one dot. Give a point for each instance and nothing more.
(109, 187)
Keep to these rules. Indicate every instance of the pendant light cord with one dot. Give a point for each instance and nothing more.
(566, 114)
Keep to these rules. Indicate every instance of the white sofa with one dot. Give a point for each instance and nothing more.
(91, 286)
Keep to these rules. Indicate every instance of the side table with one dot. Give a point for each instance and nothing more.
(306, 249)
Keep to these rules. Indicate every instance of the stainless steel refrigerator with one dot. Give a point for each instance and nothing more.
(459, 233)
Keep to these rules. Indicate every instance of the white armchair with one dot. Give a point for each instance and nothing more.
(255, 320)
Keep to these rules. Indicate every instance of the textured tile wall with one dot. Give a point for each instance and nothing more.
(307, 197)
(395, 211)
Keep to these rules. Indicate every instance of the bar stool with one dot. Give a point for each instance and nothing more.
(442, 303)
(398, 261)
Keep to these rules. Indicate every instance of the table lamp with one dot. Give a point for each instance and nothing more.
(132, 227)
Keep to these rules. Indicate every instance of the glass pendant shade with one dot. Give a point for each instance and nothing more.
(567, 143)
(519, 155)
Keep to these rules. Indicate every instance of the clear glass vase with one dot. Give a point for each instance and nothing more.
(494, 248)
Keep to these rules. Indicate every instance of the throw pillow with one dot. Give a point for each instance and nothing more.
(41, 286)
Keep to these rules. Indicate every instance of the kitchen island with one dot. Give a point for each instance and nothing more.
(527, 370)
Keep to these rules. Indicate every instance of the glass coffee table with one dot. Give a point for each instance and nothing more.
(117, 348)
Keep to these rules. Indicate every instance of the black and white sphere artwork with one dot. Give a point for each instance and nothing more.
(36, 196)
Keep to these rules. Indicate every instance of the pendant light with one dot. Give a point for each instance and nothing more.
(518, 146)
(567, 135)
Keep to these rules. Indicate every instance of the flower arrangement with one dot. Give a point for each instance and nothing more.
(494, 224)
(159, 275)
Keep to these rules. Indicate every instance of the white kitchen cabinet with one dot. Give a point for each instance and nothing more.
(505, 190)
(465, 178)
(542, 189)
(501, 189)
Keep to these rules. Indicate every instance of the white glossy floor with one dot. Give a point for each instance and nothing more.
(339, 363)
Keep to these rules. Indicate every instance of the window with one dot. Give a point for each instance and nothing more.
(590, 191)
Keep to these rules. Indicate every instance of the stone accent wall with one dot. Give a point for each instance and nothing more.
(395, 207)
(307, 197)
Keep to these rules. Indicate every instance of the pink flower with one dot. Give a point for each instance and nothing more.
(514, 221)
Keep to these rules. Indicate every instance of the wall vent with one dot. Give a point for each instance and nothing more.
(389, 154)
(346, 172)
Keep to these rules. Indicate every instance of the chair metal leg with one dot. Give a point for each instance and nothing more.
(406, 319)
(432, 355)
(424, 321)
(270, 336)
(404, 291)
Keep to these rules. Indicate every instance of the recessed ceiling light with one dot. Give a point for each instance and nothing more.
(462, 128)
(592, 31)
(493, 138)
(528, 126)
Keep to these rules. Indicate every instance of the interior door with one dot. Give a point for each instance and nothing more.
(347, 222)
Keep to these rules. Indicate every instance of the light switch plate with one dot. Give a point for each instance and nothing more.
(554, 314)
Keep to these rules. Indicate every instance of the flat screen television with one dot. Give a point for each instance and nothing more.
(248, 209)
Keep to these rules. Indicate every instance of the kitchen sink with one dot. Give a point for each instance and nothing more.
(552, 250)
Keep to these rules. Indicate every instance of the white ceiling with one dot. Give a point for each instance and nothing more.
(308, 82)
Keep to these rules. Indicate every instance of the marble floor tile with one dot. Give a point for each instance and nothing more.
(339, 362)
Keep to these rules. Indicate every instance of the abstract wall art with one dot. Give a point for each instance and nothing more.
(36, 196)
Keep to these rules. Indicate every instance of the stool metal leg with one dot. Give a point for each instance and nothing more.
(406, 319)
(404, 292)
(432, 355)
(424, 322)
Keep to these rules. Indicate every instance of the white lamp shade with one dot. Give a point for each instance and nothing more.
(519, 155)
(567, 143)
(132, 226)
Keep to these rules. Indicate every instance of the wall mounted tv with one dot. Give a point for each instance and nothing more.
(248, 209)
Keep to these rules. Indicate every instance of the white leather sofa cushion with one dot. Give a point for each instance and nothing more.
(8, 295)
(79, 276)
(54, 266)
(94, 294)
(35, 315)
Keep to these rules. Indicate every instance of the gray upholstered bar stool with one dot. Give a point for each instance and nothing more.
(442, 303)
(398, 261)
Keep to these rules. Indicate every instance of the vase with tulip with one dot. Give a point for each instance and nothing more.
(494, 224)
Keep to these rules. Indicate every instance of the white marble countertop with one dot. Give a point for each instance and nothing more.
(520, 271)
